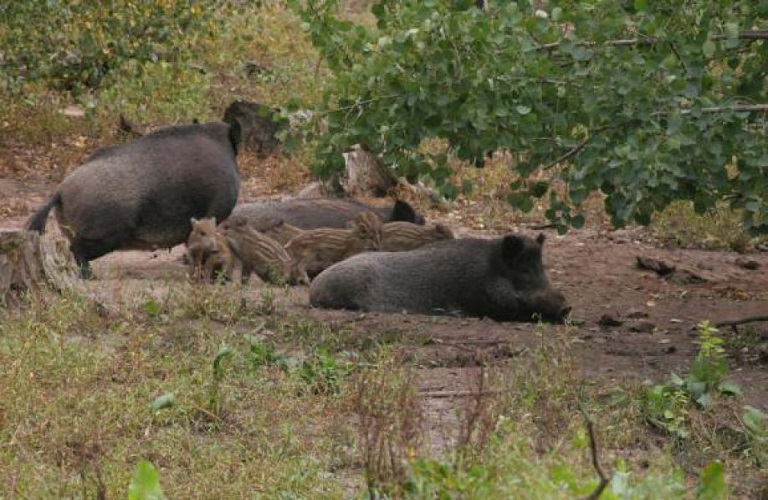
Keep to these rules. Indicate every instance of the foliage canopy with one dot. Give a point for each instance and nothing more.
(645, 102)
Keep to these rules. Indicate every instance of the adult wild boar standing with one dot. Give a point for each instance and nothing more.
(502, 279)
(142, 195)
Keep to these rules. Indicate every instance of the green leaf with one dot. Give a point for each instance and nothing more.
(224, 353)
(466, 187)
(712, 483)
(640, 5)
(165, 401)
(521, 201)
(730, 388)
(145, 483)
(523, 110)
(755, 421)
(538, 189)
(449, 191)
(709, 48)
(732, 30)
(676, 380)
(577, 221)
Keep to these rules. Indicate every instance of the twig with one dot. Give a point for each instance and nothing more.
(457, 394)
(604, 480)
(742, 321)
(737, 107)
(744, 35)
(571, 152)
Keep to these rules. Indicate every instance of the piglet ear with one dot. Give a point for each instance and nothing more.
(540, 239)
(511, 246)
(193, 221)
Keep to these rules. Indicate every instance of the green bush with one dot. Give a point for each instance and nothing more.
(74, 45)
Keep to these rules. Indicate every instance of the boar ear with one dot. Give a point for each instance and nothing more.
(540, 239)
(511, 246)
(193, 221)
(402, 211)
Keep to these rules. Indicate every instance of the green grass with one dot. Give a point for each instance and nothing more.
(266, 402)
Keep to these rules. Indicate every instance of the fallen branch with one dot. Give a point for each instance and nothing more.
(742, 321)
(604, 480)
(457, 394)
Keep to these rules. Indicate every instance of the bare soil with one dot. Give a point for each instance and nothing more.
(630, 323)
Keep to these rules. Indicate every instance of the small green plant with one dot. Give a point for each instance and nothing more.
(145, 483)
(667, 405)
(217, 374)
(263, 354)
(667, 408)
(709, 368)
(756, 425)
(324, 373)
(712, 485)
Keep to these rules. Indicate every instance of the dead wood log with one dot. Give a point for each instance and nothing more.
(365, 175)
(742, 321)
(30, 261)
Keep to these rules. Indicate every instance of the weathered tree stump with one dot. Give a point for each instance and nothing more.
(259, 126)
(365, 175)
(29, 261)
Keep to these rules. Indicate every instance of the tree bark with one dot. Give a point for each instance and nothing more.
(29, 261)
(365, 176)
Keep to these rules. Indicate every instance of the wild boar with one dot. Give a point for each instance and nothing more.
(277, 229)
(404, 236)
(313, 213)
(259, 253)
(502, 279)
(141, 195)
(315, 249)
(210, 253)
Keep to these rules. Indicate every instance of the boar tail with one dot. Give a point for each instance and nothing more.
(235, 135)
(37, 221)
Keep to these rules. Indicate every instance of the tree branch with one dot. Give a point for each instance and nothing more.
(571, 152)
(744, 35)
(604, 480)
(742, 321)
(737, 107)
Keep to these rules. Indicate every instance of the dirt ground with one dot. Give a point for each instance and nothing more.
(653, 317)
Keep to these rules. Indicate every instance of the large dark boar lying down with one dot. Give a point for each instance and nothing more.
(313, 213)
(502, 279)
(142, 195)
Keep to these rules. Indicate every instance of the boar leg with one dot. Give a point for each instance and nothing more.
(85, 250)
(301, 269)
(235, 271)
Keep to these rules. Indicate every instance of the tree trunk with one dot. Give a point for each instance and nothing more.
(29, 261)
(365, 176)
